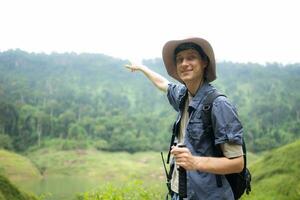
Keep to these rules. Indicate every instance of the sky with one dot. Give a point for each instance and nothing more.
(261, 31)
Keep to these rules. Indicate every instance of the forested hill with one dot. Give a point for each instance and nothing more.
(93, 99)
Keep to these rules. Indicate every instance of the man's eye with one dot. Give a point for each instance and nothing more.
(178, 60)
(192, 57)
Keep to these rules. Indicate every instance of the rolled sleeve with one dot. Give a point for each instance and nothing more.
(232, 150)
(227, 126)
(174, 93)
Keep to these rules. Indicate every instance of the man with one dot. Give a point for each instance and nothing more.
(191, 61)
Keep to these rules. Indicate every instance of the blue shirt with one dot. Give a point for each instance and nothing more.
(227, 129)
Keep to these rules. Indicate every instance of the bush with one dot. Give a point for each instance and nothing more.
(134, 190)
(101, 144)
(5, 142)
(74, 144)
(76, 132)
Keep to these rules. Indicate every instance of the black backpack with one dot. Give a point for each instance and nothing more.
(239, 182)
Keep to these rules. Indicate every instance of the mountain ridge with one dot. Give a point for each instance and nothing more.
(93, 95)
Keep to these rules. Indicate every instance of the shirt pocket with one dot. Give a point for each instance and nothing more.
(200, 141)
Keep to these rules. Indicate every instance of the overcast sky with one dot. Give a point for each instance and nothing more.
(239, 30)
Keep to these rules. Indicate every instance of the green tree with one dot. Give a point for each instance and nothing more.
(76, 132)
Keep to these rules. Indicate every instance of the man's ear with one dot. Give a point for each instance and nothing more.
(205, 63)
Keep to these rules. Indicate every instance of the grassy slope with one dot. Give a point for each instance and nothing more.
(17, 167)
(10, 192)
(103, 165)
(108, 166)
(276, 175)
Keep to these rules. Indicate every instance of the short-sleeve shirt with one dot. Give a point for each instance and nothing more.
(227, 130)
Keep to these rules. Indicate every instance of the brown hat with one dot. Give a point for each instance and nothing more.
(168, 57)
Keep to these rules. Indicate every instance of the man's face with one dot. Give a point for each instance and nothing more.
(190, 66)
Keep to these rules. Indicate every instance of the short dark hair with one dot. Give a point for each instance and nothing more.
(191, 45)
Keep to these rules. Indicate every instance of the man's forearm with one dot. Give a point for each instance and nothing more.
(220, 165)
(158, 80)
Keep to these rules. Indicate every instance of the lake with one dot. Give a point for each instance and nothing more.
(60, 187)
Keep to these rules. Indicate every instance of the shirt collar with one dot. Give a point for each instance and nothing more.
(200, 94)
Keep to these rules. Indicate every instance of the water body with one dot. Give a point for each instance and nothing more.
(61, 187)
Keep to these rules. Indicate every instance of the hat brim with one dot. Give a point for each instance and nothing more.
(168, 57)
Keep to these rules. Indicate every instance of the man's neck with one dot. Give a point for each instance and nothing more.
(194, 86)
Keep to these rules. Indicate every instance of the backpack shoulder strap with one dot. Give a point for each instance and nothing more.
(238, 187)
(206, 111)
(211, 97)
(207, 125)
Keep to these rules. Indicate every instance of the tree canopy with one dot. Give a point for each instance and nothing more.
(93, 97)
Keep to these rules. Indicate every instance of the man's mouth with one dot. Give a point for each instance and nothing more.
(186, 71)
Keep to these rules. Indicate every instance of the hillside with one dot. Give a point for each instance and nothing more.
(276, 175)
(10, 192)
(17, 167)
(93, 99)
(104, 166)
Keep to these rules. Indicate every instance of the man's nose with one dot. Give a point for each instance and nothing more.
(184, 62)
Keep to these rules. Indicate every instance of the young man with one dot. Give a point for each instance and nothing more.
(191, 61)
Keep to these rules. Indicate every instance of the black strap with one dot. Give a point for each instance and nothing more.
(208, 129)
(211, 97)
(245, 152)
(168, 178)
(170, 148)
(207, 125)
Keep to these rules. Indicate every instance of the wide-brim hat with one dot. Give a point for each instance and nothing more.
(169, 61)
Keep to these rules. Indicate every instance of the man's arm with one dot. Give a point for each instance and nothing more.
(221, 165)
(159, 81)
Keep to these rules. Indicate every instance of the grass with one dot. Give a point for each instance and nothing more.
(121, 175)
(8, 191)
(17, 167)
(108, 166)
(134, 190)
(276, 175)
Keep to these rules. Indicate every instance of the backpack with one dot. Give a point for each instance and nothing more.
(239, 182)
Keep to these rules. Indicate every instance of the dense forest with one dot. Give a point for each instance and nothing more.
(92, 100)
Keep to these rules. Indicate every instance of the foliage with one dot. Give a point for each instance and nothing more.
(73, 144)
(134, 190)
(93, 97)
(268, 100)
(5, 142)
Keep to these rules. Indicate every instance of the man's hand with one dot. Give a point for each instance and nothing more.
(159, 81)
(215, 165)
(184, 158)
(133, 67)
